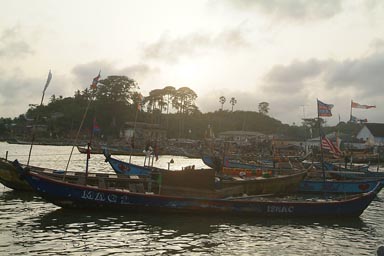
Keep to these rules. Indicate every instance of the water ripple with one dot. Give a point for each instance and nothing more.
(31, 226)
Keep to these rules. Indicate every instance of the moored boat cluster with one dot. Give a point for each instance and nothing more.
(225, 186)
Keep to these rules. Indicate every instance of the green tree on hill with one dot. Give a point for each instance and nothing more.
(264, 108)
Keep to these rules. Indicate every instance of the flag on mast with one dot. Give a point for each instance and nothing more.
(324, 109)
(48, 81)
(357, 105)
(95, 81)
(327, 144)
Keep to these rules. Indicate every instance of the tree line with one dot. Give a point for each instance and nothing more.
(117, 100)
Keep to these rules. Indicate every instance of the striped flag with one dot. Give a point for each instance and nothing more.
(357, 105)
(327, 144)
(324, 109)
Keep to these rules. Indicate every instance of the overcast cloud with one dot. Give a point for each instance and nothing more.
(288, 53)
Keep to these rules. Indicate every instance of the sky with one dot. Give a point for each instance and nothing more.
(288, 53)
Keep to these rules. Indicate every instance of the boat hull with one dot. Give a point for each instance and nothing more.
(280, 182)
(336, 186)
(10, 177)
(114, 150)
(86, 197)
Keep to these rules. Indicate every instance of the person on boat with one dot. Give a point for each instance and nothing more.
(217, 163)
(346, 160)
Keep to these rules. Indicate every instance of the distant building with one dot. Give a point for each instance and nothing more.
(37, 127)
(142, 132)
(372, 134)
(285, 147)
(242, 137)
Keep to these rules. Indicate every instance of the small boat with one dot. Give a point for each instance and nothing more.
(121, 167)
(274, 181)
(112, 196)
(114, 150)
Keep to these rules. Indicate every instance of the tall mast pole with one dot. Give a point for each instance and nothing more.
(38, 115)
(320, 140)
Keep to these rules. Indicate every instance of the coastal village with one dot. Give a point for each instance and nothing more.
(203, 127)
(367, 146)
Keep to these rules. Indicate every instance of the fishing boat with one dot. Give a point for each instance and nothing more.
(330, 166)
(10, 177)
(213, 162)
(338, 186)
(114, 150)
(270, 181)
(337, 181)
(111, 196)
(340, 172)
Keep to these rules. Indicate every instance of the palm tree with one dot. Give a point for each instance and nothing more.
(222, 101)
(169, 93)
(233, 102)
(184, 102)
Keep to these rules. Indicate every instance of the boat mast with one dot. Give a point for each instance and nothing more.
(93, 87)
(37, 117)
(134, 124)
(320, 140)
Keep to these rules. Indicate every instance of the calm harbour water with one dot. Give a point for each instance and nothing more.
(30, 226)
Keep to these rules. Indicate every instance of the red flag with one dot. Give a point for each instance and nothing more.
(357, 105)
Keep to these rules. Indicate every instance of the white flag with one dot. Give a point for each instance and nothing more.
(48, 81)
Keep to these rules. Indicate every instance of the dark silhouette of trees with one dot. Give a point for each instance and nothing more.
(116, 100)
(168, 94)
(184, 100)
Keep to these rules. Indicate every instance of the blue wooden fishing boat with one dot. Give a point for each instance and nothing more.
(338, 186)
(212, 162)
(111, 197)
(339, 171)
(352, 182)
(345, 167)
(114, 149)
(121, 167)
(273, 182)
(10, 176)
